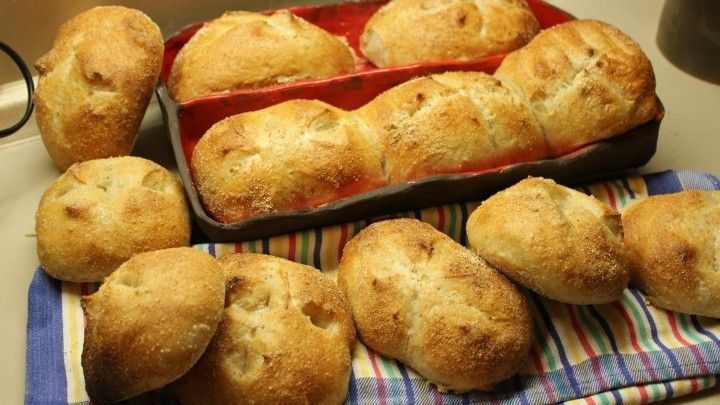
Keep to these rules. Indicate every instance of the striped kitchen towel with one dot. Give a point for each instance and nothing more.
(623, 352)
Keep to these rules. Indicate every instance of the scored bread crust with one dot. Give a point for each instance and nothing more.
(149, 322)
(92, 94)
(556, 241)
(585, 80)
(101, 212)
(450, 123)
(673, 242)
(286, 337)
(420, 297)
(294, 155)
(410, 31)
(244, 50)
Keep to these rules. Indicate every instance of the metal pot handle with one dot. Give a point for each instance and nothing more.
(28, 83)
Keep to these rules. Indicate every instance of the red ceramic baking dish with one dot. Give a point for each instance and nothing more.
(186, 122)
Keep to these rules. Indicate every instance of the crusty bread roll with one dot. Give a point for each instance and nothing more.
(451, 123)
(556, 241)
(244, 50)
(586, 81)
(101, 212)
(409, 31)
(286, 337)
(150, 321)
(673, 242)
(95, 84)
(294, 155)
(420, 297)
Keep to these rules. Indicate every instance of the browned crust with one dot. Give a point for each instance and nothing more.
(95, 84)
(286, 338)
(294, 155)
(243, 50)
(101, 212)
(586, 81)
(150, 322)
(556, 241)
(420, 297)
(673, 242)
(410, 31)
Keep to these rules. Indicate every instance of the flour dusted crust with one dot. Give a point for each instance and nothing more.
(101, 212)
(556, 241)
(286, 337)
(673, 242)
(244, 50)
(410, 31)
(150, 321)
(420, 297)
(95, 84)
(586, 81)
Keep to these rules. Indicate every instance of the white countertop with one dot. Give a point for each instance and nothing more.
(689, 139)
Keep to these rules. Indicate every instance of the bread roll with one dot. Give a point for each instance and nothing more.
(420, 297)
(101, 212)
(294, 155)
(585, 80)
(556, 241)
(409, 31)
(451, 123)
(149, 322)
(673, 242)
(285, 338)
(95, 84)
(243, 50)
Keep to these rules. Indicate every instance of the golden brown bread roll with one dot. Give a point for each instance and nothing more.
(586, 81)
(95, 84)
(673, 242)
(294, 155)
(451, 123)
(409, 31)
(556, 241)
(101, 212)
(243, 50)
(420, 297)
(286, 337)
(150, 321)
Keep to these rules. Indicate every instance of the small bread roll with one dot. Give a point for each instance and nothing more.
(409, 31)
(451, 123)
(149, 322)
(294, 155)
(243, 50)
(556, 241)
(585, 80)
(101, 212)
(95, 84)
(286, 337)
(420, 297)
(673, 242)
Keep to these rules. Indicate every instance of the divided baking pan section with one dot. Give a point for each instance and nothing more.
(187, 122)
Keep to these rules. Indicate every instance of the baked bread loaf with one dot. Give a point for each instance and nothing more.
(410, 31)
(101, 212)
(149, 322)
(294, 155)
(451, 123)
(673, 242)
(420, 297)
(95, 84)
(244, 50)
(586, 81)
(556, 241)
(286, 337)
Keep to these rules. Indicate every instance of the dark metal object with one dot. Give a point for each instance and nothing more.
(27, 76)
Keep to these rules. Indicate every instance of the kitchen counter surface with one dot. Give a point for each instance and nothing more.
(689, 139)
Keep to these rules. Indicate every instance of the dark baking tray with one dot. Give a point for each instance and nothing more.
(187, 122)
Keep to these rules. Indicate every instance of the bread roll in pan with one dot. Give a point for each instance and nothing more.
(630, 150)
